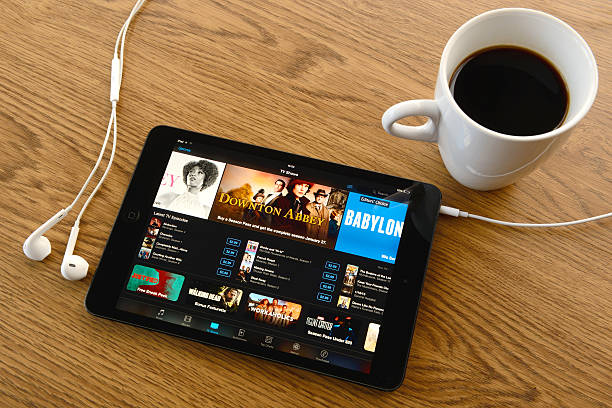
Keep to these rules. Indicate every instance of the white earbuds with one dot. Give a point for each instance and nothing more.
(37, 246)
(74, 267)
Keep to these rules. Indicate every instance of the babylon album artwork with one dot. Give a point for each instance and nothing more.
(372, 227)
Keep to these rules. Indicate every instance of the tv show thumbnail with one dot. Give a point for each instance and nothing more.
(371, 227)
(350, 276)
(155, 282)
(290, 207)
(215, 297)
(144, 253)
(273, 311)
(371, 337)
(189, 185)
(155, 223)
(248, 258)
(148, 242)
(344, 302)
(338, 328)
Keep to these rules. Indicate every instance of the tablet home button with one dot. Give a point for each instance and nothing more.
(132, 215)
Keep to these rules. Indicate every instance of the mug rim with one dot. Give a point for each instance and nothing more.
(541, 136)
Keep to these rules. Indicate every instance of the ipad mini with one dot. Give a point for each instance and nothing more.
(292, 259)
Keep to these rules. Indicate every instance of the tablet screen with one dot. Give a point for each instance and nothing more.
(267, 252)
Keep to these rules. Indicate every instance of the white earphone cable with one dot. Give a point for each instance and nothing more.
(116, 76)
(122, 34)
(120, 40)
(102, 149)
(113, 121)
(458, 213)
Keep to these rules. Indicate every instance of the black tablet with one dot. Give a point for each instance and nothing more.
(288, 258)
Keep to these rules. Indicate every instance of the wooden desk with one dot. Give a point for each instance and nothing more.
(509, 317)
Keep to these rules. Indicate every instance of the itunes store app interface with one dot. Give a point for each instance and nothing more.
(287, 258)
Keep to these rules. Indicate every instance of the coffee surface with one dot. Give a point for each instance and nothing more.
(511, 90)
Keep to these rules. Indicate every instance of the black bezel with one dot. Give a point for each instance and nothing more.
(389, 364)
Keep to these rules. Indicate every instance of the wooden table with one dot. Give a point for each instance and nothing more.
(508, 317)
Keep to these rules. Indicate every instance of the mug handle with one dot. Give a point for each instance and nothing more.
(418, 107)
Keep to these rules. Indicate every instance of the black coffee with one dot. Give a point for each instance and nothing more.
(510, 90)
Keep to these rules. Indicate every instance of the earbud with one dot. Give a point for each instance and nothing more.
(74, 267)
(37, 246)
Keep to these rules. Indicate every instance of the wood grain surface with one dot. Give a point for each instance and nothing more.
(509, 317)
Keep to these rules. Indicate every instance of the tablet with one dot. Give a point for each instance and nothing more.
(292, 259)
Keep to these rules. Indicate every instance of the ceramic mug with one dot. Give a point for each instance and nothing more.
(481, 158)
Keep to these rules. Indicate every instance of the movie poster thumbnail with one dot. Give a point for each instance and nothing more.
(189, 185)
(147, 242)
(344, 302)
(152, 231)
(215, 297)
(290, 207)
(155, 282)
(338, 328)
(144, 253)
(246, 265)
(153, 227)
(155, 223)
(348, 283)
(273, 311)
(371, 337)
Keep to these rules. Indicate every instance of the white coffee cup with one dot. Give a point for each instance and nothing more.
(481, 158)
